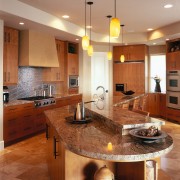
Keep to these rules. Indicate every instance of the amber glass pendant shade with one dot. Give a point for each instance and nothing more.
(85, 42)
(122, 58)
(114, 28)
(109, 55)
(90, 50)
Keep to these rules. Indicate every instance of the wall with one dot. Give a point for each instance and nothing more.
(161, 49)
(1, 84)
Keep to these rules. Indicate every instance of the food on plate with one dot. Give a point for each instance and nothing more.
(150, 132)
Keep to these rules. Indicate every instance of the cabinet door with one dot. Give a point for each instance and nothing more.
(162, 105)
(136, 52)
(10, 59)
(153, 103)
(73, 64)
(60, 53)
(131, 53)
(170, 61)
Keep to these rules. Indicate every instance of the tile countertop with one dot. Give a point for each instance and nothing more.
(91, 139)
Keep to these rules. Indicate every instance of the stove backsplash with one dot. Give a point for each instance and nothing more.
(29, 80)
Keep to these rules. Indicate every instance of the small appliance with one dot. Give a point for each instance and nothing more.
(173, 99)
(73, 81)
(5, 94)
(173, 80)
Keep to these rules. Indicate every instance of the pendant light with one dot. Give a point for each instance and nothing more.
(90, 47)
(122, 57)
(85, 38)
(109, 53)
(115, 25)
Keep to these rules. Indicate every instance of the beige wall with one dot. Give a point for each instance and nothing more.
(161, 49)
(1, 84)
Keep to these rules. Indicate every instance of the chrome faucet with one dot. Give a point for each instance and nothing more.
(102, 96)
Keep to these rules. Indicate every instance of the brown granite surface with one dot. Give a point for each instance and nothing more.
(18, 102)
(91, 139)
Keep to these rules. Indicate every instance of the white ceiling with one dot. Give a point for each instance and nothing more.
(137, 15)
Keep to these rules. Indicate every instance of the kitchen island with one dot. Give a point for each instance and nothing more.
(78, 150)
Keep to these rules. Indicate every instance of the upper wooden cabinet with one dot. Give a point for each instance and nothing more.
(56, 74)
(10, 59)
(131, 52)
(72, 58)
(173, 54)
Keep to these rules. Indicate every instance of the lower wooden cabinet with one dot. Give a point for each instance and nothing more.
(173, 114)
(157, 104)
(23, 120)
(55, 158)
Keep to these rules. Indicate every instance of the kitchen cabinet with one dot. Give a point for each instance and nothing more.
(73, 90)
(18, 121)
(24, 119)
(131, 52)
(55, 157)
(153, 104)
(173, 114)
(10, 56)
(72, 58)
(56, 74)
(162, 105)
(130, 74)
(173, 54)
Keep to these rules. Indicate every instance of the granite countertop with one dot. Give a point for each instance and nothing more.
(91, 139)
(19, 102)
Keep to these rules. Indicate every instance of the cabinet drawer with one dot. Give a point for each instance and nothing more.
(12, 133)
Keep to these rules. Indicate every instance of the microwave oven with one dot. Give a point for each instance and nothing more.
(173, 99)
(73, 81)
(173, 80)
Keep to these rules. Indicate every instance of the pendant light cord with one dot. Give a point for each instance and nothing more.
(115, 7)
(85, 18)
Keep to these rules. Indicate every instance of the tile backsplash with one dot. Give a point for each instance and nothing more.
(29, 80)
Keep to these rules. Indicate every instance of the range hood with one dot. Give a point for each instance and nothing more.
(37, 49)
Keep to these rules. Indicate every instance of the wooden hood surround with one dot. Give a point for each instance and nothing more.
(37, 49)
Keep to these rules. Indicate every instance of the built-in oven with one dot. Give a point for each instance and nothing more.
(173, 99)
(73, 81)
(173, 80)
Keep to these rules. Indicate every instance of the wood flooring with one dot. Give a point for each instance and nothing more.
(26, 160)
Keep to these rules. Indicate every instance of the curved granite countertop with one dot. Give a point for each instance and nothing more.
(91, 139)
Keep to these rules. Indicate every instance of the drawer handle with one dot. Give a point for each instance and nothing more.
(54, 147)
(27, 116)
(47, 131)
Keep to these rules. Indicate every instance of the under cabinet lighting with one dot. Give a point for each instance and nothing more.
(167, 6)
(21, 23)
(65, 16)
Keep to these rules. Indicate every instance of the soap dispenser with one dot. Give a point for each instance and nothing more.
(78, 112)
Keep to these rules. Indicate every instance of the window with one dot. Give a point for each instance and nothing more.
(157, 68)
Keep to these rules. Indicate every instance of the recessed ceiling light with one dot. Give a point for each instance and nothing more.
(154, 43)
(65, 16)
(167, 39)
(149, 29)
(168, 6)
(77, 39)
(21, 23)
(89, 27)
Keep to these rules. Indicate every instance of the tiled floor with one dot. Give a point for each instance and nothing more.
(26, 160)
